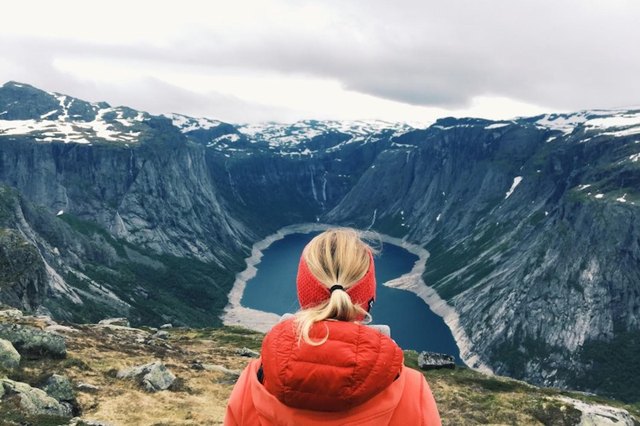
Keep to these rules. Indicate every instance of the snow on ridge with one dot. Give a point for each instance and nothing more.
(231, 137)
(48, 114)
(516, 182)
(623, 119)
(563, 123)
(65, 130)
(592, 120)
(496, 125)
(282, 134)
(188, 124)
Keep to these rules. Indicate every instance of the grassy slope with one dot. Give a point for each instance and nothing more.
(95, 353)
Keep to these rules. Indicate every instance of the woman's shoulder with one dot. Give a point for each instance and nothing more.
(417, 404)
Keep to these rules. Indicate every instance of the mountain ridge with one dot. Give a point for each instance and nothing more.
(532, 223)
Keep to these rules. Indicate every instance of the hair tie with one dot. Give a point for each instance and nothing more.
(336, 287)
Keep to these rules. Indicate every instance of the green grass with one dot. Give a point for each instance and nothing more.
(11, 417)
(229, 335)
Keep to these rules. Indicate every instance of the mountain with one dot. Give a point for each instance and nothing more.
(533, 224)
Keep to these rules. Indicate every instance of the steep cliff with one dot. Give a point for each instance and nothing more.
(534, 238)
(124, 224)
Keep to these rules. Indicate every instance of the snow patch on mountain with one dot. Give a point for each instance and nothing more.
(593, 120)
(278, 135)
(516, 182)
(68, 131)
(496, 126)
(188, 124)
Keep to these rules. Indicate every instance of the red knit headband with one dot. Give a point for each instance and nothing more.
(312, 292)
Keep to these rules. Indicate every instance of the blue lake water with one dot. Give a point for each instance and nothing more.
(413, 324)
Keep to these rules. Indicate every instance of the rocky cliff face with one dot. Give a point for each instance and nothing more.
(113, 200)
(532, 224)
(533, 233)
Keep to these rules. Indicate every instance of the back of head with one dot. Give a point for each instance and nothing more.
(336, 280)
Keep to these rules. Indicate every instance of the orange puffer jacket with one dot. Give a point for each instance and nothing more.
(356, 377)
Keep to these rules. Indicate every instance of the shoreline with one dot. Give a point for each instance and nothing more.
(236, 314)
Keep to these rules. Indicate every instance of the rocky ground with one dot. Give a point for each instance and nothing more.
(112, 374)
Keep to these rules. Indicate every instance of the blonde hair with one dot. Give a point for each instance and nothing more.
(337, 256)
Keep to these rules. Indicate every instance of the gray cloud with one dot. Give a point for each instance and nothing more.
(559, 54)
(33, 63)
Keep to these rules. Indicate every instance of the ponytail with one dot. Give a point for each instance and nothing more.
(338, 307)
(339, 257)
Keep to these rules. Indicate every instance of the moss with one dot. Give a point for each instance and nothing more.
(90, 228)
(13, 417)
(605, 374)
(556, 413)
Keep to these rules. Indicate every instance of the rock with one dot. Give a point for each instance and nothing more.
(11, 313)
(9, 357)
(435, 361)
(87, 387)
(61, 329)
(221, 369)
(22, 270)
(31, 341)
(161, 335)
(230, 376)
(248, 353)
(165, 326)
(122, 322)
(77, 421)
(597, 414)
(152, 377)
(42, 311)
(31, 400)
(60, 388)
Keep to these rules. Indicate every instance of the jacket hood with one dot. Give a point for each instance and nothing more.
(355, 364)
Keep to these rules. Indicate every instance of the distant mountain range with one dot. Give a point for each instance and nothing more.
(533, 224)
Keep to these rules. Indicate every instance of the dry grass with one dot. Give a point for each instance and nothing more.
(95, 353)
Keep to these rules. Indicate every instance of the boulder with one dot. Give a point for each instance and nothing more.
(248, 353)
(165, 326)
(87, 387)
(435, 361)
(61, 329)
(9, 357)
(152, 377)
(122, 322)
(32, 341)
(31, 400)
(161, 335)
(11, 313)
(60, 388)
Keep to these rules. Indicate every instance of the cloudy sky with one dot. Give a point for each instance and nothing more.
(284, 60)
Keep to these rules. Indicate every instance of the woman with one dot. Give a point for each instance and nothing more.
(323, 365)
